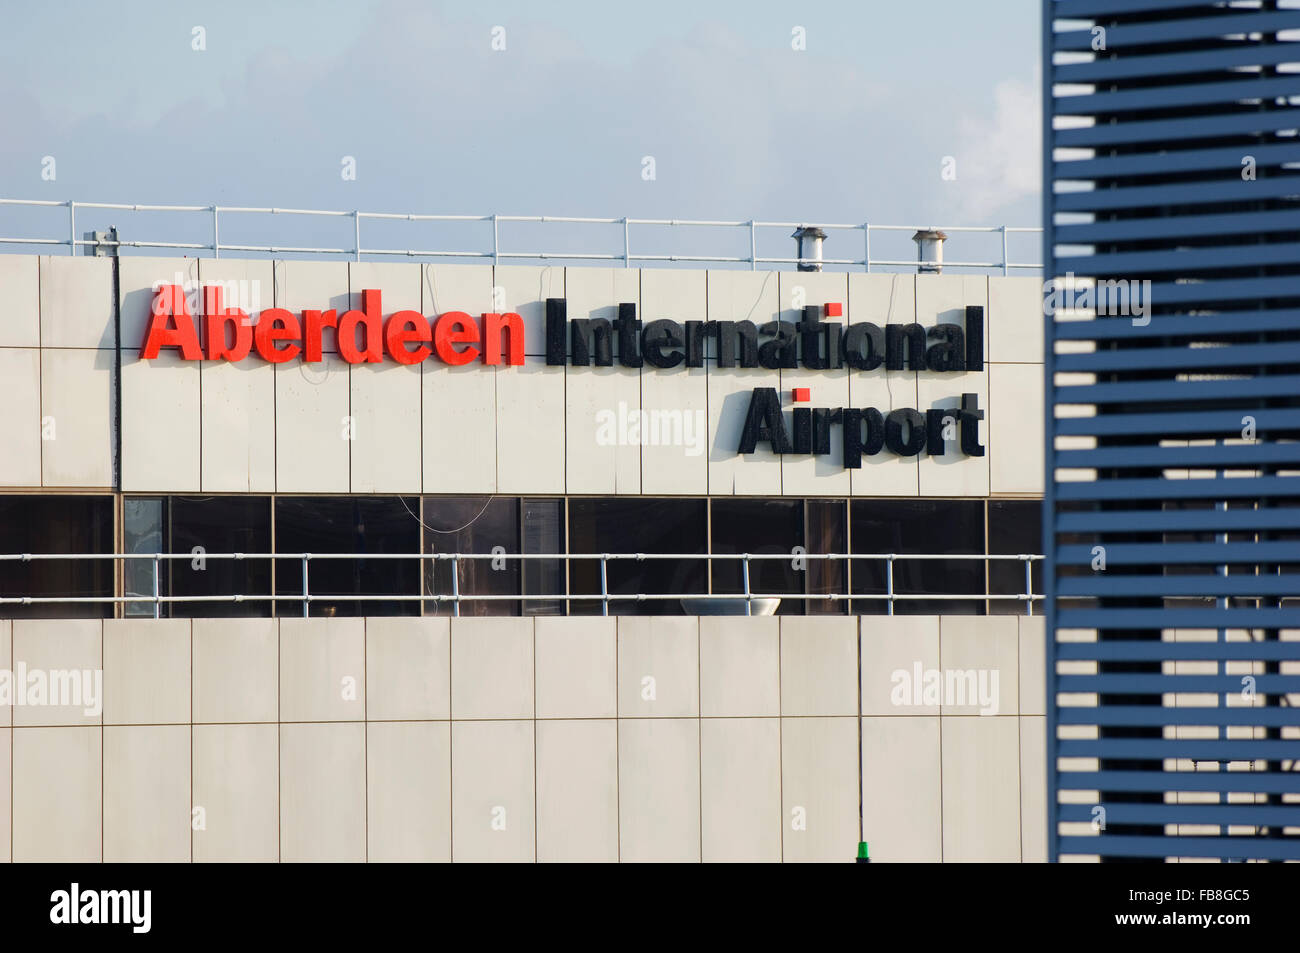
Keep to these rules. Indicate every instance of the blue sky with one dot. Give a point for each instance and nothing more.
(854, 128)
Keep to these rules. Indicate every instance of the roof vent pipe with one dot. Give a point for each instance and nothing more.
(929, 251)
(809, 238)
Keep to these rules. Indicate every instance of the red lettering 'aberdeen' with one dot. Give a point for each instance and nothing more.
(364, 336)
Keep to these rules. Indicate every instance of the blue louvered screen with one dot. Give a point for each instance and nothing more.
(1172, 212)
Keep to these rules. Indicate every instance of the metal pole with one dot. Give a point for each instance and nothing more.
(889, 581)
(744, 567)
(627, 245)
(1005, 267)
(216, 235)
(306, 590)
(72, 228)
(157, 607)
(356, 232)
(496, 241)
(866, 232)
(753, 247)
(604, 587)
(1029, 582)
(455, 585)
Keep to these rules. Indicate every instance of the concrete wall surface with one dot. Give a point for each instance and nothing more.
(521, 739)
(333, 427)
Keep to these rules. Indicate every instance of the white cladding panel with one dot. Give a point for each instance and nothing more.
(160, 446)
(530, 428)
(312, 424)
(1015, 318)
(20, 424)
(238, 426)
(1015, 451)
(20, 319)
(77, 401)
(387, 431)
(443, 753)
(77, 302)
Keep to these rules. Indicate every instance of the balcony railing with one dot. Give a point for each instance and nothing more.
(628, 241)
(748, 595)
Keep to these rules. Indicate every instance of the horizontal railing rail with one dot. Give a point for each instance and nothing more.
(496, 252)
(456, 597)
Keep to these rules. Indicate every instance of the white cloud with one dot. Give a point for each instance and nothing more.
(999, 158)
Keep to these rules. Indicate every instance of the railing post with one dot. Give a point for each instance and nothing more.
(455, 585)
(157, 592)
(1006, 268)
(216, 235)
(72, 227)
(496, 241)
(604, 586)
(889, 581)
(306, 589)
(866, 258)
(627, 245)
(356, 233)
(753, 246)
(1029, 582)
(744, 569)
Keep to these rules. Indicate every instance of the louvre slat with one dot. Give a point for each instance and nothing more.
(1245, 814)
(1230, 848)
(1155, 716)
(1189, 325)
(1177, 31)
(1212, 423)
(1170, 64)
(1112, 584)
(1181, 554)
(1182, 97)
(1182, 358)
(1179, 521)
(1233, 189)
(1180, 259)
(1087, 9)
(1238, 456)
(1172, 228)
(1237, 749)
(1208, 128)
(1179, 619)
(1202, 392)
(1223, 781)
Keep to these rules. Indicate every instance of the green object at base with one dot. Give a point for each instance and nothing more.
(864, 855)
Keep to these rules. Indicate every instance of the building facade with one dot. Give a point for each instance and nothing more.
(302, 661)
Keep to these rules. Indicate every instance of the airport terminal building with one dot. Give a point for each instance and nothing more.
(519, 562)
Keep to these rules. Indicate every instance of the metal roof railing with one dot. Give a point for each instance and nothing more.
(66, 236)
(605, 596)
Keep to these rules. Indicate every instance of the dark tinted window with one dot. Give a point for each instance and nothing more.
(542, 524)
(220, 524)
(472, 524)
(638, 526)
(56, 524)
(760, 527)
(364, 525)
(824, 532)
(1015, 527)
(922, 527)
(145, 530)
